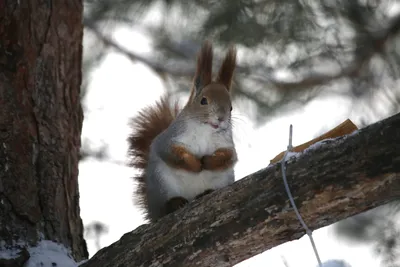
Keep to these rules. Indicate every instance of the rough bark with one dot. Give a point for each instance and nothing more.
(40, 124)
(330, 182)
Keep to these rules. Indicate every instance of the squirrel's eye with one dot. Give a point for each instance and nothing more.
(231, 108)
(204, 101)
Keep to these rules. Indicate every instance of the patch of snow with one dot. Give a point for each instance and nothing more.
(50, 254)
(336, 139)
(317, 145)
(355, 132)
(314, 146)
(81, 262)
(8, 253)
(291, 155)
(335, 263)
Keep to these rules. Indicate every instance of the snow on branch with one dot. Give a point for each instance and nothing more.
(329, 182)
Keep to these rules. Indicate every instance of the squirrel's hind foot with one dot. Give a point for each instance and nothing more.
(175, 204)
(208, 191)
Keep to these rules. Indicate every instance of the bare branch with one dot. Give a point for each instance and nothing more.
(156, 66)
(331, 181)
(303, 77)
(367, 45)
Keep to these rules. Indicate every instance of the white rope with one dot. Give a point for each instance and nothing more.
(308, 231)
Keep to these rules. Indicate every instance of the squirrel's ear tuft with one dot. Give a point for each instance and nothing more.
(225, 73)
(203, 74)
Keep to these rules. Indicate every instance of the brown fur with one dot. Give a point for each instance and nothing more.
(227, 68)
(183, 159)
(150, 122)
(222, 159)
(216, 95)
(153, 120)
(203, 75)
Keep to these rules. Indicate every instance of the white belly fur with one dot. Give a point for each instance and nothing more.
(203, 140)
(189, 185)
(200, 140)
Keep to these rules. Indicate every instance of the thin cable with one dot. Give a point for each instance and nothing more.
(308, 231)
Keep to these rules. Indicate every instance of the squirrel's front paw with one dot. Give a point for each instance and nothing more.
(211, 163)
(223, 153)
(192, 162)
(183, 159)
(221, 159)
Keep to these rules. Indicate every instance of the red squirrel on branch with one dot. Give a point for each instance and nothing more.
(183, 155)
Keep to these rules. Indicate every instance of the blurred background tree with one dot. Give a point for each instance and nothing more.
(290, 52)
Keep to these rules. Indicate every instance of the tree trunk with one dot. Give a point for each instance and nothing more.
(329, 182)
(40, 125)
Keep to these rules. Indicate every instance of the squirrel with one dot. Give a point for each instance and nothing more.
(184, 154)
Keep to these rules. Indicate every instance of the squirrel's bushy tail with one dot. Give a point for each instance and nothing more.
(149, 123)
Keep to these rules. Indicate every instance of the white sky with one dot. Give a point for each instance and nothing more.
(119, 88)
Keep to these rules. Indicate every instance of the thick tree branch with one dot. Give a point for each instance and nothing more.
(337, 179)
